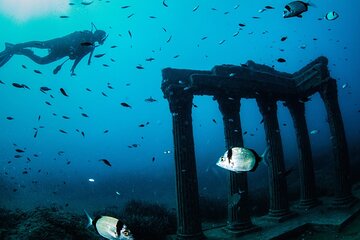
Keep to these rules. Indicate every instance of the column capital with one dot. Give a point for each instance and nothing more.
(228, 105)
(180, 102)
(267, 105)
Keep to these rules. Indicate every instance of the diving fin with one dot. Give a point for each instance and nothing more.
(58, 68)
(6, 55)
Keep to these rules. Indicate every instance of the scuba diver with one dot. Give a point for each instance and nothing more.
(75, 46)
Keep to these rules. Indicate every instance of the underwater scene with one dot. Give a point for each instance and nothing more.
(164, 119)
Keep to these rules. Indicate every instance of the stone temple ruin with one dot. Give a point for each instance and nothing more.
(228, 84)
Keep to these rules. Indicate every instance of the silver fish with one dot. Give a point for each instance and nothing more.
(239, 159)
(110, 228)
(295, 9)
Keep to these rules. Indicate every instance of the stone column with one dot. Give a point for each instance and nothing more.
(279, 205)
(188, 213)
(239, 221)
(343, 196)
(306, 170)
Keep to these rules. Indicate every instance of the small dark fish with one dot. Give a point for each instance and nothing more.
(88, 89)
(149, 59)
(68, 162)
(99, 55)
(23, 66)
(106, 162)
(19, 150)
(262, 120)
(18, 85)
(9, 118)
(283, 39)
(71, 4)
(36, 133)
(255, 17)
(131, 15)
(269, 7)
(139, 67)
(25, 172)
(245, 132)
(142, 125)
(214, 120)
(87, 44)
(106, 131)
(45, 89)
(124, 104)
(164, 3)
(164, 29)
(63, 92)
(65, 117)
(130, 34)
(113, 46)
(281, 60)
(113, 60)
(135, 145)
(194, 105)
(196, 8)
(86, 3)
(82, 133)
(64, 16)
(176, 56)
(84, 115)
(106, 65)
(104, 94)
(124, 7)
(242, 25)
(203, 38)
(62, 131)
(150, 100)
(167, 41)
(48, 103)
(1, 82)
(153, 159)
(295, 9)
(17, 156)
(152, 17)
(37, 71)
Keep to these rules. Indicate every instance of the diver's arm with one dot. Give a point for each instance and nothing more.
(76, 62)
(90, 56)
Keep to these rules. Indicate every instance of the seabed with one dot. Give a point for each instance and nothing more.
(320, 219)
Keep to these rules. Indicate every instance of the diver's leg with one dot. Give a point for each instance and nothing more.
(39, 60)
(33, 44)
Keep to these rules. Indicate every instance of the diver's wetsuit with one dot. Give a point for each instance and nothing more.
(75, 46)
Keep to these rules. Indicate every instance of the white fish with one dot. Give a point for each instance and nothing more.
(345, 85)
(331, 16)
(110, 228)
(238, 159)
(313, 132)
(117, 193)
(91, 180)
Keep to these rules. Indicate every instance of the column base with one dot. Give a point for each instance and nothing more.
(308, 203)
(237, 230)
(198, 236)
(279, 215)
(344, 202)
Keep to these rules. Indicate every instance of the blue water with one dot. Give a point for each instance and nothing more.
(133, 174)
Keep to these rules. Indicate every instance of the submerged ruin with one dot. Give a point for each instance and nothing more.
(228, 84)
